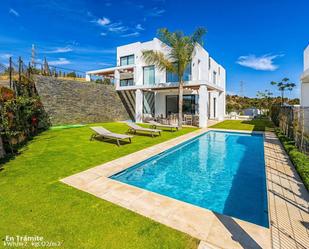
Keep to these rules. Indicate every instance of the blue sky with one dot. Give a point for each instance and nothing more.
(256, 41)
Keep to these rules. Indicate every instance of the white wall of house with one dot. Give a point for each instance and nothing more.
(304, 99)
(206, 74)
(306, 58)
(202, 65)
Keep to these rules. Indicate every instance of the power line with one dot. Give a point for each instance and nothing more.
(241, 88)
(33, 55)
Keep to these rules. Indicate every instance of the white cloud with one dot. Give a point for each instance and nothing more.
(131, 34)
(156, 12)
(139, 27)
(105, 64)
(5, 56)
(117, 27)
(59, 50)
(103, 21)
(230, 93)
(60, 61)
(262, 63)
(103, 34)
(13, 12)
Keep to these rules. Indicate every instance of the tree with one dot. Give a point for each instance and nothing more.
(266, 100)
(282, 86)
(71, 74)
(179, 55)
(107, 81)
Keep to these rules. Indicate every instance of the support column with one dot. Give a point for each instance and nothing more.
(221, 106)
(138, 106)
(117, 78)
(203, 103)
(88, 78)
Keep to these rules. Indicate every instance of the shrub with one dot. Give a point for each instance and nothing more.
(21, 117)
(300, 160)
(274, 114)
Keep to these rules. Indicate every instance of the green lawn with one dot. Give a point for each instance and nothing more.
(251, 125)
(34, 202)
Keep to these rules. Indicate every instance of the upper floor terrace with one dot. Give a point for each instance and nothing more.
(131, 71)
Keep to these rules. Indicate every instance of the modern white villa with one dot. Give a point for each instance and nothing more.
(154, 93)
(304, 99)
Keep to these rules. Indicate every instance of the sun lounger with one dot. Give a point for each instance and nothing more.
(104, 133)
(136, 128)
(155, 124)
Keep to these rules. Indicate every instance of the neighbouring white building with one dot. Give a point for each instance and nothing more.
(304, 98)
(149, 91)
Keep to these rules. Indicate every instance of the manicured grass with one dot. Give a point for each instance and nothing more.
(299, 159)
(34, 202)
(248, 125)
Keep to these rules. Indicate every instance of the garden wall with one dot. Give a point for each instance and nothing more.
(72, 102)
(2, 152)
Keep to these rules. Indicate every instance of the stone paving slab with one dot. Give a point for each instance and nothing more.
(214, 230)
(287, 198)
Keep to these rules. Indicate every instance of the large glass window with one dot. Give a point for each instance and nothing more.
(188, 107)
(127, 60)
(172, 77)
(214, 77)
(149, 75)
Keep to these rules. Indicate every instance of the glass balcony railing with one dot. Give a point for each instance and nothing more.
(127, 82)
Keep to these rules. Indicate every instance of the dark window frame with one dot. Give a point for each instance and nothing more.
(127, 58)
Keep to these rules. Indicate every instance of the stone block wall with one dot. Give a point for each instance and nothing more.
(73, 102)
(2, 152)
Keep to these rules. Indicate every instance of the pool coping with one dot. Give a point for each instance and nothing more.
(213, 229)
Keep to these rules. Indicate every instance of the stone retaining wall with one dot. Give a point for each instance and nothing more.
(72, 102)
(2, 152)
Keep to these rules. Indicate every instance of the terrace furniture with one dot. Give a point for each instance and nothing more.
(104, 133)
(187, 119)
(155, 124)
(136, 128)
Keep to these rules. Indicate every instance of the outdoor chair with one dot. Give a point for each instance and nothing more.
(134, 128)
(155, 124)
(104, 133)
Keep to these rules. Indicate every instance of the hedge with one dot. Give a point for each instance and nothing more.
(299, 159)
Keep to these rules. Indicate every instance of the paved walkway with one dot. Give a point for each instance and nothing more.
(288, 199)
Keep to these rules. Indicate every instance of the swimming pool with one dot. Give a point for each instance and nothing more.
(221, 171)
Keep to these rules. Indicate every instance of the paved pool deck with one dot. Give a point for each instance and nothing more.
(287, 197)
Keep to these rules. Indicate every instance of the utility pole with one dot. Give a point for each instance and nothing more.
(33, 56)
(241, 88)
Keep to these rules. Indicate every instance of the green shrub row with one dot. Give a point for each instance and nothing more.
(299, 159)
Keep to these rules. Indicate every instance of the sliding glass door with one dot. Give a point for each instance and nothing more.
(149, 75)
(188, 106)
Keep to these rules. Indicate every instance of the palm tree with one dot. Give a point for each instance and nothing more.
(282, 86)
(180, 51)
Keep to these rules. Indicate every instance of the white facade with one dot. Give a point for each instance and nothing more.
(156, 90)
(304, 99)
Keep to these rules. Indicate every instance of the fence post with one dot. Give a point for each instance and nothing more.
(19, 69)
(10, 71)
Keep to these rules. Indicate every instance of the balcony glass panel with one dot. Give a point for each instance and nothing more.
(126, 82)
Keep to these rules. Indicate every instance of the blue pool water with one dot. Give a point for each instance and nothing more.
(220, 171)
